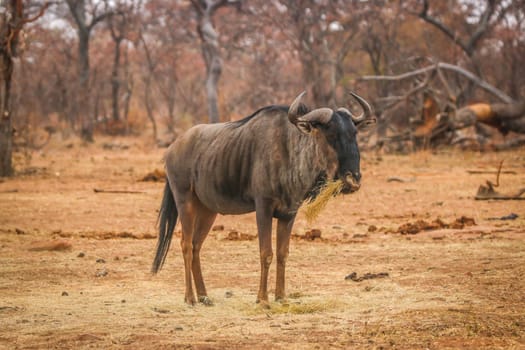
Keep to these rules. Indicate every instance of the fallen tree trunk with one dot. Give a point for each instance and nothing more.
(505, 117)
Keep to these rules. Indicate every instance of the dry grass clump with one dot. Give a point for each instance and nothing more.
(313, 209)
(295, 307)
(302, 308)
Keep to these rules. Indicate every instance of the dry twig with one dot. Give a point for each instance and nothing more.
(487, 192)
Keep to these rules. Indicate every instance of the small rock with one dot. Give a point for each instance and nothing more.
(65, 294)
(372, 228)
(101, 273)
(101, 261)
(233, 235)
(312, 234)
(81, 255)
(511, 216)
(228, 294)
(218, 228)
(351, 276)
(161, 311)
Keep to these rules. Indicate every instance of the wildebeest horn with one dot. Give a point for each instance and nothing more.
(367, 110)
(344, 110)
(319, 115)
(294, 108)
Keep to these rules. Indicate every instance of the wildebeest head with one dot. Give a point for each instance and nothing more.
(339, 129)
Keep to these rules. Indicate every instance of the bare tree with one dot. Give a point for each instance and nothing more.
(467, 42)
(147, 80)
(86, 15)
(210, 49)
(321, 34)
(12, 21)
(165, 36)
(120, 23)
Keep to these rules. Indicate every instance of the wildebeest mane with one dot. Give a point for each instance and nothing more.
(303, 109)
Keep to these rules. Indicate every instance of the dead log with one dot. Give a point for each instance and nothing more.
(513, 143)
(505, 117)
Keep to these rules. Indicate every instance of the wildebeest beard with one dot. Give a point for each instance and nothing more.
(319, 182)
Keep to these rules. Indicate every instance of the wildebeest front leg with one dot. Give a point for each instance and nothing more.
(263, 213)
(203, 222)
(284, 229)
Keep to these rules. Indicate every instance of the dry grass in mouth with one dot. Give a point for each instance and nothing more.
(314, 208)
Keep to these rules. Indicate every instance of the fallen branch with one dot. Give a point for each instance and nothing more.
(491, 172)
(399, 179)
(488, 192)
(367, 276)
(99, 190)
(447, 66)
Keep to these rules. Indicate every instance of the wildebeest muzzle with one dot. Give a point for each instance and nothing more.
(351, 182)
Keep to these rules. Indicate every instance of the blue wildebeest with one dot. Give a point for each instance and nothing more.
(268, 162)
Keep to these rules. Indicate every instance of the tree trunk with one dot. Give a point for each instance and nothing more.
(82, 112)
(213, 74)
(149, 106)
(211, 55)
(210, 51)
(147, 87)
(115, 82)
(11, 23)
(6, 122)
(11, 14)
(85, 23)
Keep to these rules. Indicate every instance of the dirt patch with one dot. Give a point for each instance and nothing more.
(412, 228)
(238, 236)
(55, 245)
(310, 235)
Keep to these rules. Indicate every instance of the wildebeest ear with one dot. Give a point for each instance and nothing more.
(304, 127)
(366, 124)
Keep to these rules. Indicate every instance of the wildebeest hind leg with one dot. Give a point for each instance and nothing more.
(284, 229)
(203, 221)
(187, 220)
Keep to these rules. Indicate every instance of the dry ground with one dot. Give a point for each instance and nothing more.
(74, 264)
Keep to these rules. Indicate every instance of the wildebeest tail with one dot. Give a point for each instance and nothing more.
(167, 219)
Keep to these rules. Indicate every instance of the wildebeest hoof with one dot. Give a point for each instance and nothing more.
(205, 301)
(282, 300)
(263, 304)
(189, 300)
